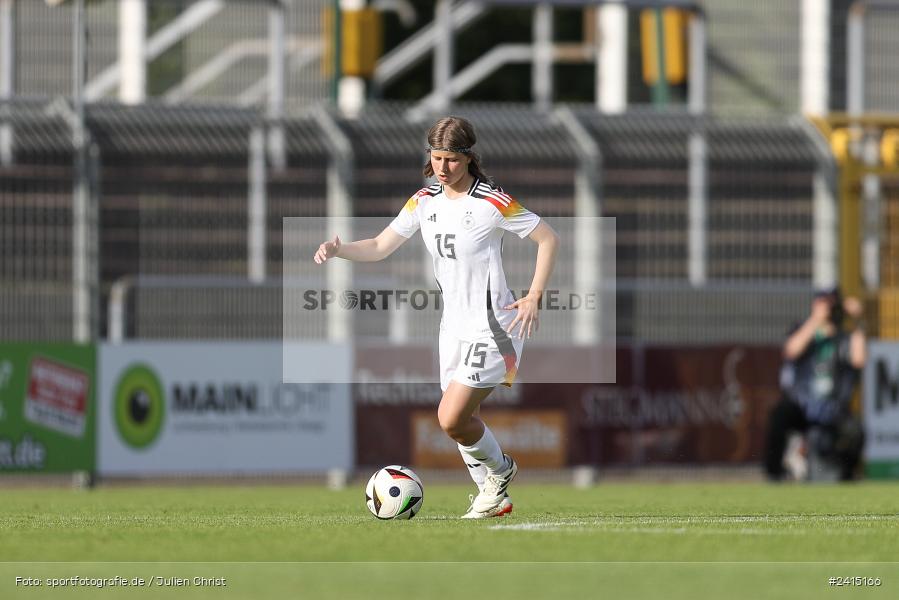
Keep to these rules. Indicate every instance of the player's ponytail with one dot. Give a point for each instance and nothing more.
(474, 167)
(455, 134)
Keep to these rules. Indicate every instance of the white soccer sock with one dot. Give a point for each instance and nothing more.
(477, 471)
(487, 452)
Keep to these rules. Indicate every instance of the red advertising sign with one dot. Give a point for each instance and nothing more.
(681, 405)
(57, 397)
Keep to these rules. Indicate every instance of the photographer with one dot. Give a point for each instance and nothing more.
(822, 364)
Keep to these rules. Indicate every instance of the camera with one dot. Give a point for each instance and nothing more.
(835, 298)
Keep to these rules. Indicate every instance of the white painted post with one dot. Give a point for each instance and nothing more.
(611, 58)
(257, 208)
(118, 296)
(542, 63)
(132, 50)
(824, 267)
(815, 40)
(443, 54)
(697, 208)
(855, 60)
(588, 234)
(7, 74)
(339, 178)
(276, 90)
(698, 49)
(871, 217)
(697, 155)
(84, 217)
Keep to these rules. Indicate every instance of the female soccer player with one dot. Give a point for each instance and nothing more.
(462, 219)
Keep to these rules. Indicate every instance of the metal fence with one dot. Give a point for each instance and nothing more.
(198, 51)
(725, 223)
(175, 226)
(36, 225)
(218, 51)
(881, 46)
(754, 56)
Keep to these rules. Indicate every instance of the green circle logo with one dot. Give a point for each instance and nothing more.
(139, 406)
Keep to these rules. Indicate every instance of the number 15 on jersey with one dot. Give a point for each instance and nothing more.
(446, 243)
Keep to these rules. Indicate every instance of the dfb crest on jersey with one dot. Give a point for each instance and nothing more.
(467, 221)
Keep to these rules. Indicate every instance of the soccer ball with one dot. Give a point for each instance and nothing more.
(394, 492)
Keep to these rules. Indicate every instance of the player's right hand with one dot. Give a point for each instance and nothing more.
(327, 250)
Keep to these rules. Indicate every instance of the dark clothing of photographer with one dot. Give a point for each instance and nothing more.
(822, 365)
(822, 379)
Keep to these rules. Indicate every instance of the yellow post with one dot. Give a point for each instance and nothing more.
(674, 36)
(359, 38)
(363, 41)
(850, 228)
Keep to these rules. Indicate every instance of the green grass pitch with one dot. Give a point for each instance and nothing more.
(614, 540)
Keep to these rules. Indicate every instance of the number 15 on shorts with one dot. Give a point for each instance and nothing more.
(476, 355)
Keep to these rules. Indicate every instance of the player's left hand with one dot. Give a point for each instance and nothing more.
(526, 317)
(853, 307)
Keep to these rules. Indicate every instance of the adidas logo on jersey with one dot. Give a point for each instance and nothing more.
(475, 377)
(433, 218)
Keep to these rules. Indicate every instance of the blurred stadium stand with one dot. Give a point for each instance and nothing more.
(220, 58)
(754, 56)
(172, 203)
(172, 175)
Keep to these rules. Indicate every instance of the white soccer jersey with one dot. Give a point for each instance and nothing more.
(464, 238)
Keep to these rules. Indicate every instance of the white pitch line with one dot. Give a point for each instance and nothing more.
(533, 527)
(625, 525)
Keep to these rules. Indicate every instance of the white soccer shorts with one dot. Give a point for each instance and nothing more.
(482, 363)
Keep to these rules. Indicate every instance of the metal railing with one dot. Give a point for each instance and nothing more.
(191, 192)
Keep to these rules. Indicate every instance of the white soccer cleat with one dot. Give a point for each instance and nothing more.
(504, 508)
(494, 491)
